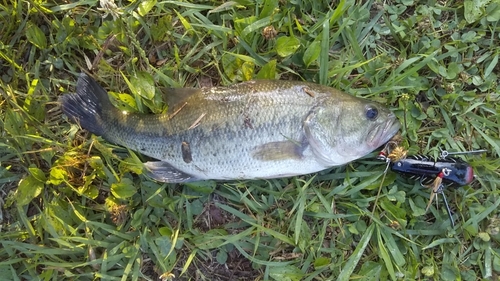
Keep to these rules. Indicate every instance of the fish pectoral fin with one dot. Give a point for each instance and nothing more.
(164, 172)
(279, 150)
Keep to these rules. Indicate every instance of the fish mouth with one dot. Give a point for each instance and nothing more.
(384, 133)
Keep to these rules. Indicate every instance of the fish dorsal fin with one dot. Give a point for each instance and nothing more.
(175, 97)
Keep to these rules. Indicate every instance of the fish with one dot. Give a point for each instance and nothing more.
(258, 129)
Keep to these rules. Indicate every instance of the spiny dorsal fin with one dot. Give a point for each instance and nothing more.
(175, 97)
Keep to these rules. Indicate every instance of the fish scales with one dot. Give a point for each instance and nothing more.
(255, 129)
(234, 124)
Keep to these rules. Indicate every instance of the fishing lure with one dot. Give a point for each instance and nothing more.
(437, 174)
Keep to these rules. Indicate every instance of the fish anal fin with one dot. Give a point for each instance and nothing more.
(279, 150)
(164, 172)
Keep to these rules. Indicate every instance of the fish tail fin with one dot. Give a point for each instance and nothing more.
(87, 105)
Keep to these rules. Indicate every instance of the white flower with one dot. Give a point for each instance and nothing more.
(109, 7)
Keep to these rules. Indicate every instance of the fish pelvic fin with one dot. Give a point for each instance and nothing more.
(164, 172)
(87, 105)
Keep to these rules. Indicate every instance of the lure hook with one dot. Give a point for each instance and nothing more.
(445, 153)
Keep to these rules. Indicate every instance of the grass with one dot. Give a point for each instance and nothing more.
(76, 207)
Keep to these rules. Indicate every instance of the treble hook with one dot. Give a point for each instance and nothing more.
(438, 188)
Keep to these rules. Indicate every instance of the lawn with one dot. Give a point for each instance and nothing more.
(75, 207)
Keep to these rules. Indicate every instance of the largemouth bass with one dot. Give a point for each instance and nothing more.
(252, 130)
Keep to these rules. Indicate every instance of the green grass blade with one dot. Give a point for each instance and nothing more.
(355, 258)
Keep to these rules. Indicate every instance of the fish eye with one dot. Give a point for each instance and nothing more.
(371, 113)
